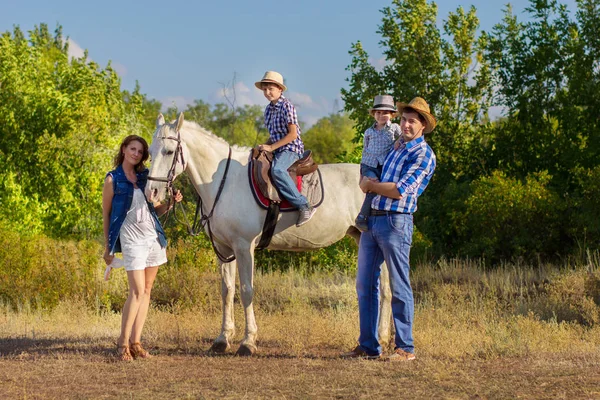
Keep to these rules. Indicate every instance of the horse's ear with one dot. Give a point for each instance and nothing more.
(160, 120)
(180, 120)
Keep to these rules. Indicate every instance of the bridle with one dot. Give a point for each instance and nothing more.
(171, 174)
(195, 228)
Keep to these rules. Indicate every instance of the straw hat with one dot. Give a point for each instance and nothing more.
(422, 108)
(271, 77)
(384, 103)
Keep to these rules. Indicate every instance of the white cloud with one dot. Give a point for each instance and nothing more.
(496, 112)
(180, 102)
(302, 100)
(120, 69)
(240, 95)
(75, 50)
(379, 63)
(310, 120)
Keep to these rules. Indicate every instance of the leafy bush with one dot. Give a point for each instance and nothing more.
(573, 296)
(505, 219)
(21, 213)
(584, 213)
(39, 272)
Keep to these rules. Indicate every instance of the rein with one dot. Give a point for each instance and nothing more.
(198, 224)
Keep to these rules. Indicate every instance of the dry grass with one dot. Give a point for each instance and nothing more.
(478, 335)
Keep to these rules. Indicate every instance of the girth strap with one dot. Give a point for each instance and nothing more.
(269, 226)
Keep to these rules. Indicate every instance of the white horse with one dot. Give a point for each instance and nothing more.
(236, 220)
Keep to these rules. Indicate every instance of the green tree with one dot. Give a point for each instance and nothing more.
(530, 62)
(60, 122)
(330, 137)
(449, 71)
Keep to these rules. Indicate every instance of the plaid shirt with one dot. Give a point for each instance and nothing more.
(378, 143)
(410, 167)
(277, 118)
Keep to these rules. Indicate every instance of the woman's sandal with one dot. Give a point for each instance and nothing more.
(124, 353)
(137, 351)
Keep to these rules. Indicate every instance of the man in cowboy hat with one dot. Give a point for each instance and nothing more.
(405, 175)
(284, 141)
(377, 143)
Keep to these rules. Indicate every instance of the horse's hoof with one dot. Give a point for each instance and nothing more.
(219, 347)
(245, 351)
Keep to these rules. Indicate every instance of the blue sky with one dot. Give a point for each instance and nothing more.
(190, 50)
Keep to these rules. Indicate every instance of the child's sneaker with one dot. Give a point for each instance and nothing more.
(362, 223)
(305, 214)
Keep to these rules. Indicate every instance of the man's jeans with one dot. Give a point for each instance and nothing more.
(287, 187)
(371, 172)
(388, 239)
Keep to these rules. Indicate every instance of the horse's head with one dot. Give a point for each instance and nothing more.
(169, 157)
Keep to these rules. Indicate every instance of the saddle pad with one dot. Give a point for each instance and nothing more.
(310, 186)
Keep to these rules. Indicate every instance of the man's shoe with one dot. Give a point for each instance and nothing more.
(305, 214)
(362, 223)
(358, 352)
(400, 355)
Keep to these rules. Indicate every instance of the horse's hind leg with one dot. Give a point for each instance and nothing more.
(385, 307)
(222, 343)
(245, 262)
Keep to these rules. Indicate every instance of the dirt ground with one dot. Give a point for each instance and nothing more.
(53, 369)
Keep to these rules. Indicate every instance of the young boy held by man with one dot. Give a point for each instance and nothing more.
(377, 143)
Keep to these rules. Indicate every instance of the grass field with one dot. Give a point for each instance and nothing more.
(508, 333)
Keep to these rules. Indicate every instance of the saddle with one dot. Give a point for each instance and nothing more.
(261, 167)
(304, 172)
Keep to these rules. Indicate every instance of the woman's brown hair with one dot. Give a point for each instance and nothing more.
(121, 156)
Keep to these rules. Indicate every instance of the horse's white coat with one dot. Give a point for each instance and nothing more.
(237, 220)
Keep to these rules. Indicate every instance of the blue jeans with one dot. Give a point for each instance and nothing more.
(279, 172)
(388, 239)
(371, 172)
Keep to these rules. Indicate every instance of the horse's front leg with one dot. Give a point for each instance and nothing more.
(245, 264)
(223, 342)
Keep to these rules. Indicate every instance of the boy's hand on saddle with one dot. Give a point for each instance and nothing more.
(265, 147)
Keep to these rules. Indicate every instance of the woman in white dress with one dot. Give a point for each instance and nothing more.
(131, 227)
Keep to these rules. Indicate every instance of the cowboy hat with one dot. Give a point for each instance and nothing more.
(271, 77)
(422, 108)
(383, 103)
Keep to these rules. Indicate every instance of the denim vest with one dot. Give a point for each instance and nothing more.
(123, 196)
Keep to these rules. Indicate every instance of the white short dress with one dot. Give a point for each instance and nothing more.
(139, 241)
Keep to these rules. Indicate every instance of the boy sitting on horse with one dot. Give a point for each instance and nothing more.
(284, 141)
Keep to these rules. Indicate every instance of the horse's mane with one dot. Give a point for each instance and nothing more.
(193, 125)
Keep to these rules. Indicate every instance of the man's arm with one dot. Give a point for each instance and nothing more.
(387, 189)
(423, 162)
